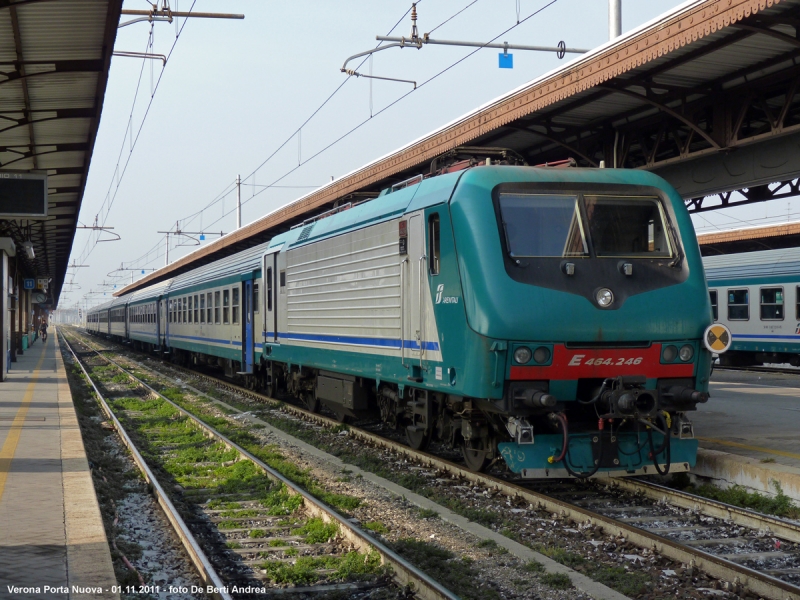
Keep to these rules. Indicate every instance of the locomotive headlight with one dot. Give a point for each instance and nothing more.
(669, 354)
(686, 353)
(541, 355)
(604, 297)
(522, 355)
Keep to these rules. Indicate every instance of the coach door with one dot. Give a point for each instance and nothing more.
(247, 325)
(412, 273)
(271, 281)
(160, 323)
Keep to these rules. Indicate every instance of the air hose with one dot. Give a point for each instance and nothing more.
(562, 421)
(665, 418)
(564, 456)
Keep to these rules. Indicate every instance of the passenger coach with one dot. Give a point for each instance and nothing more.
(757, 296)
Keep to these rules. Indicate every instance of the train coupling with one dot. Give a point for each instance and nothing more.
(627, 397)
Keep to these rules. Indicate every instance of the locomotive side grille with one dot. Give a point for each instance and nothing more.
(346, 285)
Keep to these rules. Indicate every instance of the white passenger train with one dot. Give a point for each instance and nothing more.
(757, 295)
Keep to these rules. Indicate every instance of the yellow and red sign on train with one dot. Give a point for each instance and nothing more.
(717, 338)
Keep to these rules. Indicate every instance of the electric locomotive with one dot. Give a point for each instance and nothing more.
(553, 318)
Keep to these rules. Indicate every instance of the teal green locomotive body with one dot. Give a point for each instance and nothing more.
(551, 318)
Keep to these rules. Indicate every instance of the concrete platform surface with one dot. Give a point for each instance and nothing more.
(752, 414)
(749, 431)
(52, 541)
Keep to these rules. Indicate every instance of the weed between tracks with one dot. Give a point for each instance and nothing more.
(185, 457)
(780, 505)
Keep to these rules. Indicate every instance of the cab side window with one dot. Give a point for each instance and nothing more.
(434, 246)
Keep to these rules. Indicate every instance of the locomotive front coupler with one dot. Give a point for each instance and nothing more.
(627, 397)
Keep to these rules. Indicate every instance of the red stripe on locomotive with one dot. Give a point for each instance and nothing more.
(580, 363)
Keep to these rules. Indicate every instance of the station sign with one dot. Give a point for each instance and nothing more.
(41, 283)
(28, 284)
(23, 195)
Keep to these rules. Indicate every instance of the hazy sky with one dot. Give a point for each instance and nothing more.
(233, 91)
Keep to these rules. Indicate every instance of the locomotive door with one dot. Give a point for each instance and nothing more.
(414, 271)
(247, 324)
(270, 275)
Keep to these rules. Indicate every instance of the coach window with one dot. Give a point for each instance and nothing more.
(235, 305)
(433, 244)
(714, 306)
(202, 308)
(217, 306)
(185, 306)
(738, 305)
(772, 304)
(195, 308)
(255, 298)
(209, 307)
(269, 289)
(191, 304)
(226, 302)
(797, 306)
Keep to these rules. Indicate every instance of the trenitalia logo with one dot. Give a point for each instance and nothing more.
(439, 292)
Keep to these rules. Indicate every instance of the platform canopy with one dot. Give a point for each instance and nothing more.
(54, 62)
(705, 95)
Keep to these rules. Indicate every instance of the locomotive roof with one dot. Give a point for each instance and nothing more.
(388, 205)
(762, 263)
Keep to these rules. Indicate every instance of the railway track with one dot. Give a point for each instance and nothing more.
(751, 554)
(243, 523)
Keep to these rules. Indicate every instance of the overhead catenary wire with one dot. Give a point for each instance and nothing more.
(393, 103)
(296, 132)
(138, 133)
(353, 129)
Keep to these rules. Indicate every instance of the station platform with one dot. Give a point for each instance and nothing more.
(748, 431)
(52, 539)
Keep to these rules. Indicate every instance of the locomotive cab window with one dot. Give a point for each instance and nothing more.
(565, 225)
(624, 226)
(772, 304)
(542, 225)
(434, 246)
(738, 305)
(714, 306)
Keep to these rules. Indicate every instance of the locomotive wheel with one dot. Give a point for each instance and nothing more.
(476, 453)
(418, 439)
(311, 401)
